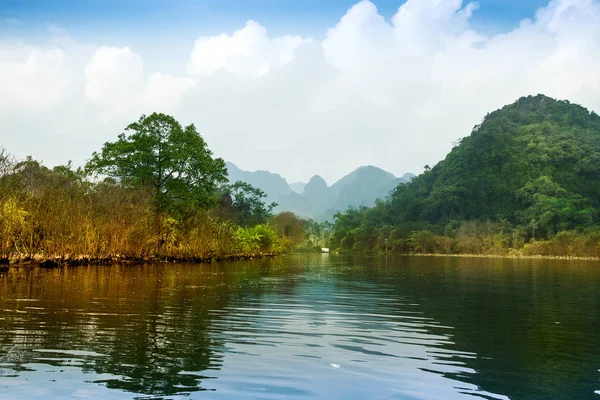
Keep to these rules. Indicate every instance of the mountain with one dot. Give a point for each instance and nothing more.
(316, 199)
(408, 177)
(384, 191)
(533, 151)
(272, 184)
(297, 187)
(529, 171)
(362, 187)
(296, 203)
(317, 193)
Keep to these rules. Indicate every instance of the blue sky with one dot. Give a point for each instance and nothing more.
(170, 27)
(113, 18)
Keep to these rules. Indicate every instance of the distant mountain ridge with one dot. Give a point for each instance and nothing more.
(297, 187)
(316, 199)
(272, 184)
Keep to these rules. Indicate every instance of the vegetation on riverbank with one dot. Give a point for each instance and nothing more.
(156, 193)
(499, 256)
(526, 182)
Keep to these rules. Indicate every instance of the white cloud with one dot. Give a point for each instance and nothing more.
(114, 77)
(247, 53)
(31, 78)
(115, 80)
(394, 93)
(164, 90)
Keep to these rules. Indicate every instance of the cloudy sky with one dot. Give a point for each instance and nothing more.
(295, 87)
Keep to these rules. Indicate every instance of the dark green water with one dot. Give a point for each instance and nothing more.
(304, 327)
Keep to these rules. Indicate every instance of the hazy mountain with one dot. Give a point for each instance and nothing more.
(317, 193)
(272, 184)
(297, 187)
(408, 177)
(296, 203)
(316, 199)
(362, 187)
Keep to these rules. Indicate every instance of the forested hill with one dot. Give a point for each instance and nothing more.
(537, 145)
(532, 167)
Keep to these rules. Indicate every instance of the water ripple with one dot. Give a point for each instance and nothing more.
(298, 328)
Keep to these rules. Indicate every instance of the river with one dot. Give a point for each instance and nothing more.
(303, 327)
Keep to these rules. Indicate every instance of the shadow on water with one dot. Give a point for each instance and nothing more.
(304, 326)
(532, 324)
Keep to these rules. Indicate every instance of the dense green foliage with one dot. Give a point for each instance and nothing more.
(529, 173)
(246, 204)
(173, 162)
(161, 197)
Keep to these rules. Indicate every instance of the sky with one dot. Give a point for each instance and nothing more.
(294, 87)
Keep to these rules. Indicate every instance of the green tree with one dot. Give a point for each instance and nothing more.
(552, 208)
(248, 203)
(288, 225)
(171, 161)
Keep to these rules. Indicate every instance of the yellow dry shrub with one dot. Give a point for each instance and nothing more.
(12, 219)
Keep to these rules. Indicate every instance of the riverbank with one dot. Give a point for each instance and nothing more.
(44, 262)
(509, 256)
(505, 256)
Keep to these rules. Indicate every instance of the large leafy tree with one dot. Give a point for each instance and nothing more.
(248, 203)
(173, 162)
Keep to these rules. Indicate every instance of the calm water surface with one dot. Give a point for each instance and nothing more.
(327, 327)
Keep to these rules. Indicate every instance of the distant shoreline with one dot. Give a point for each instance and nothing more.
(507, 256)
(467, 255)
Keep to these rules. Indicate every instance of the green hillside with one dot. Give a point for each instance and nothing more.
(531, 170)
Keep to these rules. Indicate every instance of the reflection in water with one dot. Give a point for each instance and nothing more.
(304, 326)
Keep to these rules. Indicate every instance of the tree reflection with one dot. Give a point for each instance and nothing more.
(519, 328)
(150, 324)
